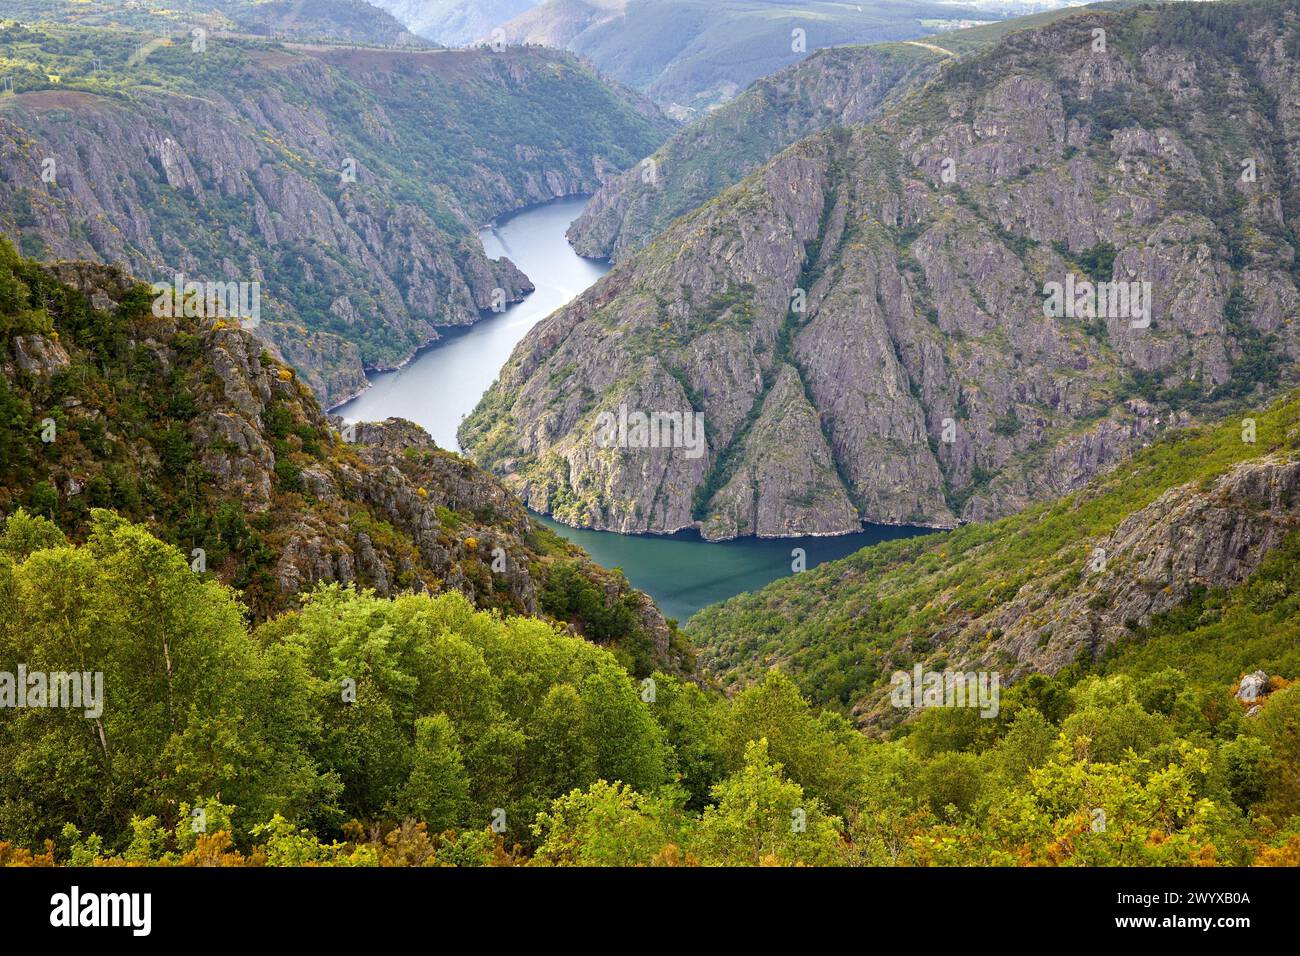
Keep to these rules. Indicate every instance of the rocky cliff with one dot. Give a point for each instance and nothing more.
(191, 426)
(837, 87)
(903, 272)
(348, 182)
(1168, 544)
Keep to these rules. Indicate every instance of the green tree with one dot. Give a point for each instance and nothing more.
(1278, 726)
(609, 824)
(26, 533)
(692, 721)
(188, 704)
(813, 753)
(762, 819)
(437, 790)
(561, 756)
(627, 743)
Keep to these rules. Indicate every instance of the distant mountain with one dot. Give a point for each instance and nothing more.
(349, 182)
(454, 22)
(837, 87)
(689, 55)
(872, 324)
(350, 20)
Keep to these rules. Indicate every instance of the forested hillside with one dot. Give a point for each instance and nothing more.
(349, 182)
(189, 425)
(360, 731)
(1156, 554)
(342, 20)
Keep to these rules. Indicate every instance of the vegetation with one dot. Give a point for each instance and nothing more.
(217, 717)
(112, 408)
(419, 731)
(842, 628)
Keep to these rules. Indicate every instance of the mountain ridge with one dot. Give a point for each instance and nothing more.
(837, 86)
(691, 55)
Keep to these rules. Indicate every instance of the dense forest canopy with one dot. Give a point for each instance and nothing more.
(359, 731)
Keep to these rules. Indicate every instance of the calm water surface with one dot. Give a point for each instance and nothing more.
(683, 573)
(444, 383)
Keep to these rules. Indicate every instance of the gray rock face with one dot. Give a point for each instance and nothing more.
(902, 272)
(318, 175)
(843, 86)
(1187, 538)
(1253, 686)
(39, 355)
(777, 491)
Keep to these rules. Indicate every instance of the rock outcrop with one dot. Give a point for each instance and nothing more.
(193, 427)
(1189, 538)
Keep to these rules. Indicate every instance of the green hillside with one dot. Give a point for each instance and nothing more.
(191, 427)
(841, 628)
(417, 732)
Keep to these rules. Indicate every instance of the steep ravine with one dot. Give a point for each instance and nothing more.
(900, 270)
(348, 182)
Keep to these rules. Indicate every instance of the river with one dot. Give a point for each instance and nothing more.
(442, 384)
